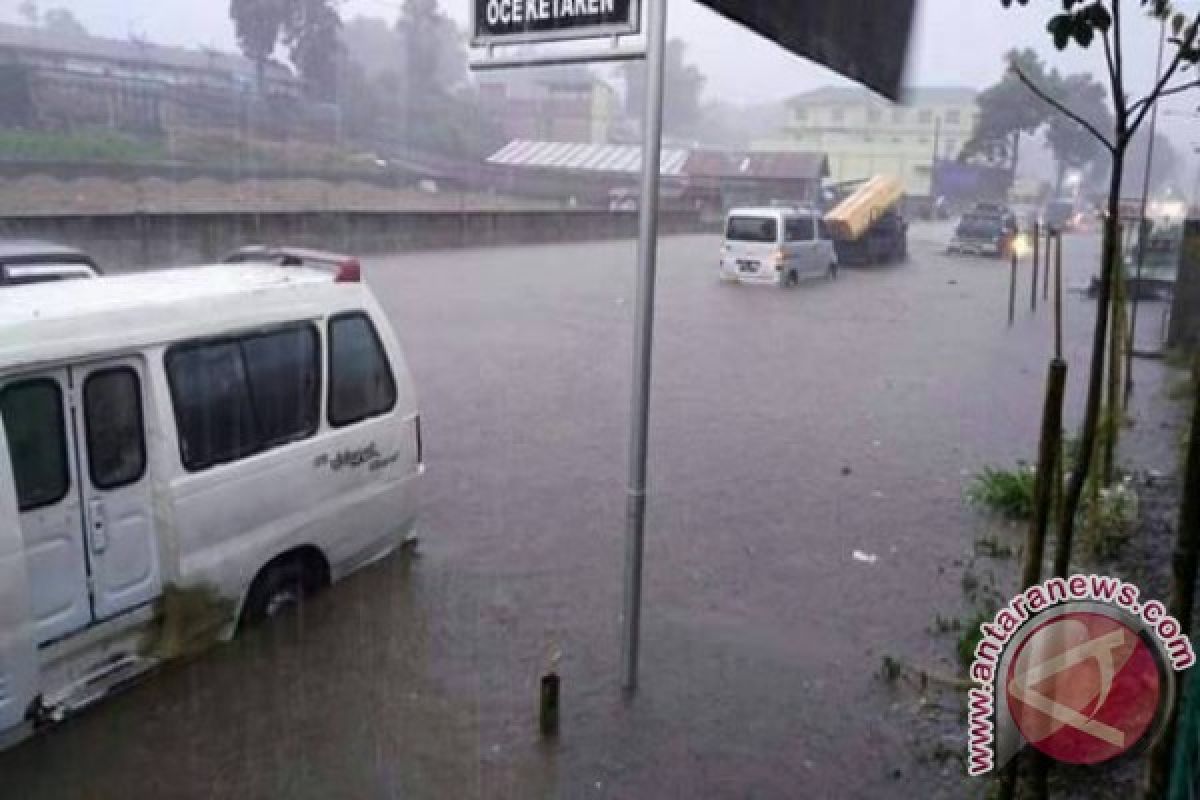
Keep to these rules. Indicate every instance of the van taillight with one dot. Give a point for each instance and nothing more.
(420, 444)
(349, 271)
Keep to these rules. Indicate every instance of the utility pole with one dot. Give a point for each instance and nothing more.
(1142, 228)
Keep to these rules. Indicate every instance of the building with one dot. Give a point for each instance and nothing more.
(63, 81)
(571, 107)
(863, 135)
(697, 179)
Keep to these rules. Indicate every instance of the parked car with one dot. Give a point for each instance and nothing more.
(333, 263)
(251, 439)
(24, 261)
(775, 245)
(988, 231)
(1060, 215)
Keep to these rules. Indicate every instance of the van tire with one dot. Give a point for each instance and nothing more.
(283, 584)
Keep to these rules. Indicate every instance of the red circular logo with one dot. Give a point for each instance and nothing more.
(1084, 688)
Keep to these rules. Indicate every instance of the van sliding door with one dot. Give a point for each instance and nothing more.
(37, 416)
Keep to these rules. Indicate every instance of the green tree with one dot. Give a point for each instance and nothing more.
(28, 9)
(312, 34)
(682, 90)
(63, 21)
(1005, 113)
(1082, 23)
(258, 25)
(435, 62)
(1074, 148)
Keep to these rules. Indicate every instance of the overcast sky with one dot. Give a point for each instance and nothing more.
(956, 42)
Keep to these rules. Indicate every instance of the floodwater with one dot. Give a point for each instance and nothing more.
(788, 429)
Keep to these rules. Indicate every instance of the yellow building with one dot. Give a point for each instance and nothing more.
(863, 135)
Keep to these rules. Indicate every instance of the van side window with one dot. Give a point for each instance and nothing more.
(360, 379)
(116, 445)
(799, 229)
(37, 441)
(285, 378)
(212, 404)
(822, 229)
(236, 397)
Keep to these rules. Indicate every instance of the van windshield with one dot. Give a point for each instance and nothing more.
(752, 229)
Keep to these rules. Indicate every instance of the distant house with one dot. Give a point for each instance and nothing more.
(66, 82)
(701, 179)
(864, 135)
(572, 107)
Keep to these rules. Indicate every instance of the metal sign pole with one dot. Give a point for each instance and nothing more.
(643, 340)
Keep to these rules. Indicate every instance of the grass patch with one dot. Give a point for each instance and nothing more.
(1108, 525)
(1008, 492)
(16, 145)
(968, 640)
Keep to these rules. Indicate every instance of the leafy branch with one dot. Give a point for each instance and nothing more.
(1062, 109)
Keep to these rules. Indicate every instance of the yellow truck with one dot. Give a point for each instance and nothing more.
(865, 226)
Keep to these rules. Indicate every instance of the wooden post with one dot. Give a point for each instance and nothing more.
(1182, 598)
(1048, 454)
(1012, 290)
(1033, 783)
(1046, 266)
(1033, 283)
(548, 705)
(1058, 285)
(1037, 244)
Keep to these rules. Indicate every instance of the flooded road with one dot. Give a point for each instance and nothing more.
(788, 429)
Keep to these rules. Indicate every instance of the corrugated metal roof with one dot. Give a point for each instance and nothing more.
(676, 162)
(784, 165)
(584, 157)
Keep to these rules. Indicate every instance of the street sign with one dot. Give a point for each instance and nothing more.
(503, 22)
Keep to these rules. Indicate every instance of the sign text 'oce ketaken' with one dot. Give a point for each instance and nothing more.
(500, 22)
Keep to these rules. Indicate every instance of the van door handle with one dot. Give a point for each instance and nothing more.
(99, 525)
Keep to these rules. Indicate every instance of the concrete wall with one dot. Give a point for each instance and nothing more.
(1185, 310)
(123, 242)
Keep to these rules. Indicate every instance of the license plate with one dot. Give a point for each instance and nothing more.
(747, 266)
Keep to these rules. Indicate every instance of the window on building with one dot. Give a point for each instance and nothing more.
(801, 114)
(360, 379)
(838, 115)
(898, 116)
(874, 116)
(925, 117)
(953, 117)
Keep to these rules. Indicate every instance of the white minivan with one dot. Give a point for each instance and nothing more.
(779, 246)
(229, 437)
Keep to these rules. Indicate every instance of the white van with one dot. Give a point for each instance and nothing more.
(778, 246)
(229, 437)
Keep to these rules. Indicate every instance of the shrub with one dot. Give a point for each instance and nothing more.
(1006, 492)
